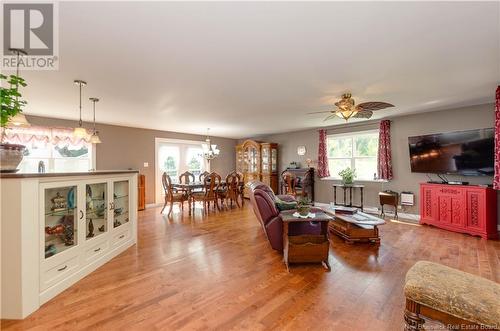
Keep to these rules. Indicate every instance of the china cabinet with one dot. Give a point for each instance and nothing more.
(258, 161)
(60, 228)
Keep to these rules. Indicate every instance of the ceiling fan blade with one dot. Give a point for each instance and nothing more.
(319, 112)
(363, 114)
(374, 105)
(329, 117)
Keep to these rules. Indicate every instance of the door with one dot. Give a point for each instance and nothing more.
(176, 157)
(428, 204)
(96, 209)
(120, 205)
(476, 210)
(61, 213)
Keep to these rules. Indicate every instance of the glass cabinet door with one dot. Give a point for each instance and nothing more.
(120, 202)
(61, 219)
(265, 159)
(96, 198)
(274, 159)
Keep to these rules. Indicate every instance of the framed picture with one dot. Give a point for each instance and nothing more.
(301, 150)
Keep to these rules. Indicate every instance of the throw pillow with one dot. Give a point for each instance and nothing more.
(285, 205)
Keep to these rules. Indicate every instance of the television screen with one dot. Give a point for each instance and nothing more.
(467, 153)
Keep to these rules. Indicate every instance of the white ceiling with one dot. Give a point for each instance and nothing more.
(245, 69)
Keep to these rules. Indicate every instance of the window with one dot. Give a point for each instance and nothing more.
(195, 161)
(170, 156)
(355, 150)
(59, 150)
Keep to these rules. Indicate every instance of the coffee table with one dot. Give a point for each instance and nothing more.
(306, 248)
(359, 227)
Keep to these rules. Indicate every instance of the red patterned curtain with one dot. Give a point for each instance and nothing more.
(384, 151)
(496, 179)
(322, 156)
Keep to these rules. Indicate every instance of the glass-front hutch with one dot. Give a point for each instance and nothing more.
(76, 214)
(258, 161)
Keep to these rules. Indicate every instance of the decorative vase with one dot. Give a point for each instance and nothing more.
(347, 182)
(91, 229)
(10, 157)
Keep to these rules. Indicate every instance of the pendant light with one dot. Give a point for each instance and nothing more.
(19, 120)
(80, 131)
(94, 139)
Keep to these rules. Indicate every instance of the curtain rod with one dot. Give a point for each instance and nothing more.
(351, 125)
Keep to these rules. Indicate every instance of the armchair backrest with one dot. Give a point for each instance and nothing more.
(262, 199)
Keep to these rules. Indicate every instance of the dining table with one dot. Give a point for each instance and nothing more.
(189, 188)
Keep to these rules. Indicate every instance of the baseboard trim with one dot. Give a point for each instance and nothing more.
(153, 205)
(413, 218)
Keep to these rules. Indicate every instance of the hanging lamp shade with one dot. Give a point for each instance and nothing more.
(19, 121)
(94, 138)
(80, 132)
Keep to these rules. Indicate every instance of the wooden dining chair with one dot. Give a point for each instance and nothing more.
(171, 194)
(233, 181)
(186, 178)
(202, 176)
(241, 188)
(211, 183)
(289, 181)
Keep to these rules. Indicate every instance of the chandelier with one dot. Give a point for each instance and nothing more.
(210, 151)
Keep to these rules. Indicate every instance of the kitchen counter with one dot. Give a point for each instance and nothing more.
(65, 174)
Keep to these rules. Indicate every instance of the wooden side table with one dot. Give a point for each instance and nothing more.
(349, 188)
(306, 248)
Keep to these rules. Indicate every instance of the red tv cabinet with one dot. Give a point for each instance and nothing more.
(460, 208)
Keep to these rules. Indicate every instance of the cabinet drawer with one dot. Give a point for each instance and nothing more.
(52, 274)
(96, 250)
(120, 237)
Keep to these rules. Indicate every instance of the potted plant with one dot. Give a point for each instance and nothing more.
(303, 206)
(12, 103)
(348, 176)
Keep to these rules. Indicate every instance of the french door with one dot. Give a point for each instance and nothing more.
(174, 157)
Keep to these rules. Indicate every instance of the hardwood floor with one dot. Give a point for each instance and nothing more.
(218, 272)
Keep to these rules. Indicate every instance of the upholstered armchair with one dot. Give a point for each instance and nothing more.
(263, 202)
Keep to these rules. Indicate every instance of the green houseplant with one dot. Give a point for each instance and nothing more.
(11, 105)
(303, 206)
(348, 175)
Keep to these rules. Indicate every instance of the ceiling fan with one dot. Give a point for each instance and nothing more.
(346, 108)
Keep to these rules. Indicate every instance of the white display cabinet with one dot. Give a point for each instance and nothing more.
(80, 221)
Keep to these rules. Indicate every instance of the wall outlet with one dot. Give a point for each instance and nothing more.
(146, 164)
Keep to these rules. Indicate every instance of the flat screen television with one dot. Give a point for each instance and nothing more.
(466, 153)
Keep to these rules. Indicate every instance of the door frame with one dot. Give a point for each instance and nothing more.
(158, 141)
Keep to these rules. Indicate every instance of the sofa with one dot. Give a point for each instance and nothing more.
(263, 200)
